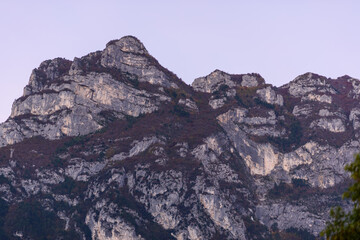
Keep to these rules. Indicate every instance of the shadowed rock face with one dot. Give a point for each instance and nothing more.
(114, 146)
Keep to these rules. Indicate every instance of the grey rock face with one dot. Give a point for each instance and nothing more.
(213, 161)
(303, 110)
(216, 205)
(137, 148)
(333, 125)
(82, 171)
(49, 70)
(75, 108)
(131, 45)
(216, 79)
(264, 124)
(106, 226)
(249, 81)
(268, 95)
(320, 98)
(129, 55)
(264, 159)
(354, 117)
(223, 87)
(188, 103)
(212, 82)
(58, 103)
(287, 216)
(221, 215)
(163, 198)
(217, 103)
(307, 83)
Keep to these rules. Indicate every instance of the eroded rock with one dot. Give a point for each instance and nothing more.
(268, 95)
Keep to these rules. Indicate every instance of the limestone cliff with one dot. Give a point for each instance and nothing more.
(114, 146)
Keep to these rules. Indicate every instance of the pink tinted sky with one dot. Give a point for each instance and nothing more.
(278, 39)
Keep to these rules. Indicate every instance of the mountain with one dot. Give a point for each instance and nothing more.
(114, 146)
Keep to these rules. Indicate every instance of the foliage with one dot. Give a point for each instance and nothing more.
(4, 207)
(245, 96)
(78, 140)
(132, 78)
(264, 104)
(71, 187)
(180, 111)
(108, 116)
(4, 180)
(57, 162)
(30, 218)
(346, 225)
(298, 182)
(299, 234)
(222, 89)
(130, 120)
(254, 228)
(110, 152)
(294, 191)
(294, 138)
(176, 94)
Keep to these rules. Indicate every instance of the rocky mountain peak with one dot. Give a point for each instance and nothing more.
(129, 44)
(310, 83)
(310, 78)
(130, 56)
(48, 72)
(212, 82)
(68, 98)
(112, 145)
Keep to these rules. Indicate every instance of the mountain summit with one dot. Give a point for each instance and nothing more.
(113, 145)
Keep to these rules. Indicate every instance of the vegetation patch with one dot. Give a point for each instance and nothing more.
(295, 190)
(71, 187)
(34, 222)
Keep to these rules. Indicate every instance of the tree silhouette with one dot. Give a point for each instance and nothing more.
(346, 225)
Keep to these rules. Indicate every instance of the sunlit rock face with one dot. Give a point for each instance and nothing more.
(268, 95)
(129, 55)
(114, 146)
(216, 79)
(65, 98)
(212, 82)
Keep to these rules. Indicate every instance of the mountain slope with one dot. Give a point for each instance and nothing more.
(114, 146)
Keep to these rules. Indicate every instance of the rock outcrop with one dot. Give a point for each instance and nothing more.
(114, 146)
(65, 98)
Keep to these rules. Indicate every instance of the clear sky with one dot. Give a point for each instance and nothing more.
(278, 39)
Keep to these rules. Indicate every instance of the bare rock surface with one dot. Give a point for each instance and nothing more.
(113, 146)
(59, 101)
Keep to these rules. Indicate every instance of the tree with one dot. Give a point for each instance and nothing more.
(346, 225)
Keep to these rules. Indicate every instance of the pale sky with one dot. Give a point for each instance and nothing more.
(277, 39)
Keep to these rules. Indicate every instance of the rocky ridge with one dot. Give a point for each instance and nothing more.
(114, 146)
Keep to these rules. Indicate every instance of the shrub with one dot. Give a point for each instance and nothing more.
(293, 139)
(133, 79)
(57, 162)
(180, 111)
(301, 233)
(4, 208)
(110, 152)
(298, 182)
(30, 218)
(264, 104)
(71, 187)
